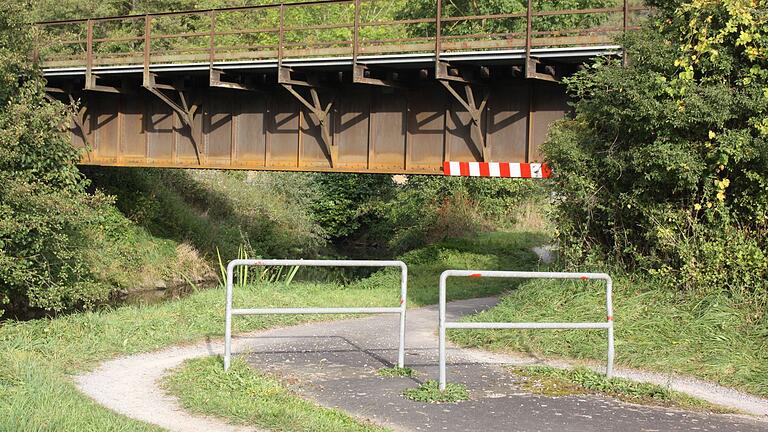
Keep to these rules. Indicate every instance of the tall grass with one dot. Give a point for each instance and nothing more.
(244, 276)
(711, 337)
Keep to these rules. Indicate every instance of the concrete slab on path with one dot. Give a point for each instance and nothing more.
(336, 364)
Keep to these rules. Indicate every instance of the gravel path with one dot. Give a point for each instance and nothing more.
(130, 385)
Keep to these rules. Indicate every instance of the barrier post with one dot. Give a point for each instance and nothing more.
(400, 309)
(443, 324)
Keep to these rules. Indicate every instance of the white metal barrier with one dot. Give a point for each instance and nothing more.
(525, 275)
(314, 310)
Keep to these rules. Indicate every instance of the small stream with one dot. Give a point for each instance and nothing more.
(347, 250)
(158, 295)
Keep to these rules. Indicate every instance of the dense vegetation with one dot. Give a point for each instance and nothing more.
(664, 168)
(418, 210)
(45, 214)
(514, 26)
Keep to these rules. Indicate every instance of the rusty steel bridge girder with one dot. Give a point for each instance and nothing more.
(398, 106)
(371, 129)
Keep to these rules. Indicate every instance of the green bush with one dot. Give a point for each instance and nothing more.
(347, 202)
(44, 210)
(664, 167)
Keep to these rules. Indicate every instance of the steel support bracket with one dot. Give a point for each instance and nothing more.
(361, 75)
(319, 110)
(448, 76)
(285, 76)
(531, 71)
(445, 72)
(91, 84)
(215, 80)
(184, 109)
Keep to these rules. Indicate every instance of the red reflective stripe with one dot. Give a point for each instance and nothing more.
(584, 278)
(504, 170)
(525, 170)
(475, 275)
(610, 317)
(464, 168)
(485, 169)
(546, 172)
(402, 301)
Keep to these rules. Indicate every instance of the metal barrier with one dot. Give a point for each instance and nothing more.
(525, 275)
(313, 310)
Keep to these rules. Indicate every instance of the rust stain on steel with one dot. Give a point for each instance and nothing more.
(378, 130)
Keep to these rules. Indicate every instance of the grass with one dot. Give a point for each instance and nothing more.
(245, 396)
(709, 337)
(485, 251)
(214, 209)
(430, 392)
(396, 371)
(565, 382)
(38, 358)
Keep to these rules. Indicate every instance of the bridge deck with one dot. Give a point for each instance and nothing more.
(576, 54)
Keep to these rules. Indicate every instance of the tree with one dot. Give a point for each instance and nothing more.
(44, 209)
(665, 165)
(463, 8)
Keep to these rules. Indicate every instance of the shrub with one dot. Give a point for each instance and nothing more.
(664, 167)
(346, 202)
(44, 210)
(429, 209)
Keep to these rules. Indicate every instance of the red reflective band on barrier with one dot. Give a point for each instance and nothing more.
(584, 278)
(496, 169)
(475, 275)
(402, 301)
(464, 169)
(504, 170)
(610, 317)
(525, 170)
(546, 171)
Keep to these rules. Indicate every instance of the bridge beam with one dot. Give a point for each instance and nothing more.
(215, 80)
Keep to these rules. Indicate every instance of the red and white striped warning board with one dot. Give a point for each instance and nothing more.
(496, 169)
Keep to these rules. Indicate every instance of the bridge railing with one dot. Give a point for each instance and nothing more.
(326, 28)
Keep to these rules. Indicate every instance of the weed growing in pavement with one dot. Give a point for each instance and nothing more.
(551, 381)
(430, 392)
(396, 371)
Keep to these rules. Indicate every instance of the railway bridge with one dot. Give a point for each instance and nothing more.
(328, 85)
